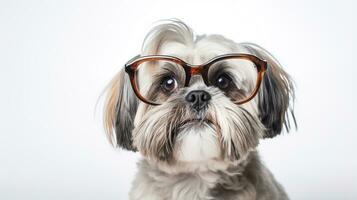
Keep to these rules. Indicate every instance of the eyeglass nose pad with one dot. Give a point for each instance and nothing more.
(196, 69)
(197, 73)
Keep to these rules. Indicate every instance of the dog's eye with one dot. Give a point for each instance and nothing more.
(223, 81)
(168, 84)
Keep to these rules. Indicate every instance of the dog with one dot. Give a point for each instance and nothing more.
(195, 107)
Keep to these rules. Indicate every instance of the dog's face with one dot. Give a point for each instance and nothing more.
(197, 123)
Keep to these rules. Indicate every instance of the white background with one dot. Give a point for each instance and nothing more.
(57, 56)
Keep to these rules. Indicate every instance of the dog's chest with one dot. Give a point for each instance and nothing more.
(154, 184)
(190, 186)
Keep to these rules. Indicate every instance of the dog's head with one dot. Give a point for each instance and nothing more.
(197, 119)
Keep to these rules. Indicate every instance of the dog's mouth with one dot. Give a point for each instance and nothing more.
(198, 121)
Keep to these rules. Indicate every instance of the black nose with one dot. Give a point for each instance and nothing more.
(198, 99)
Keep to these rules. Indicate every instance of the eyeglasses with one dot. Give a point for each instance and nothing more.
(157, 78)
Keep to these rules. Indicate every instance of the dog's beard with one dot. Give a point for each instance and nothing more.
(197, 142)
(173, 132)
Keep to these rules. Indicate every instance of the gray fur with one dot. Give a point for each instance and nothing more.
(249, 179)
(125, 113)
(159, 143)
(275, 94)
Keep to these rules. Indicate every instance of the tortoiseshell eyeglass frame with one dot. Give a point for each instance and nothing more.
(132, 66)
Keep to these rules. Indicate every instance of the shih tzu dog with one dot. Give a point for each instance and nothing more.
(196, 107)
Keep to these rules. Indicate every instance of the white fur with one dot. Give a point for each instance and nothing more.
(197, 144)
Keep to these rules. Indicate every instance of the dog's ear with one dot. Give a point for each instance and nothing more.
(276, 94)
(119, 111)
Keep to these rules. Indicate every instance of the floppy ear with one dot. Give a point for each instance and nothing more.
(275, 94)
(119, 111)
